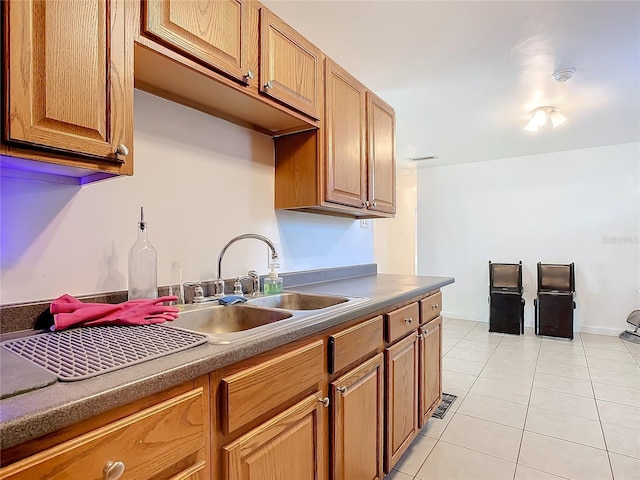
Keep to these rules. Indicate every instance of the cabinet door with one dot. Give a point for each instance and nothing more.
(289, 65)
(70, 79)
(401, 365)
(152, 444)
(289, 446)
(430, 339)
(210, 31)
(381, 156)
(357, 422)
(346, 166)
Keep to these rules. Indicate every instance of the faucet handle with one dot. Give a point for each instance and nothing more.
(218, 287)
(255, 282)
(237, 287)
(198, 292)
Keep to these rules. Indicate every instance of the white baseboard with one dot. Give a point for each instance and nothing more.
(463, 316)
(613, 332)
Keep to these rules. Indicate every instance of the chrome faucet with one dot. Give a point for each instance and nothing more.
(219, 283)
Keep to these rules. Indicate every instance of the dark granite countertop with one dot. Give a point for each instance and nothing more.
(33, 414)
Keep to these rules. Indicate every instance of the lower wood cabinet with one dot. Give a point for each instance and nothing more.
(430, 348)
(289, 446)
(164, 442)
(267, 417)
(401, 365)
(357, 422)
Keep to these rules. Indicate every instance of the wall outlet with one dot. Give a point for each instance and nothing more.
(364, 223)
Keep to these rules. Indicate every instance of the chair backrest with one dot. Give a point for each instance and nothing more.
(556, 277)
(505, 276)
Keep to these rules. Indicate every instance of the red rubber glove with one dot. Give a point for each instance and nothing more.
(68, 312)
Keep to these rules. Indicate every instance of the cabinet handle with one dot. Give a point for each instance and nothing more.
(249, 75)
(420, 337)
(324, 401)
(122, 150)
(113, 470)
(408, 319)
(268, 84)
(342, 390)
(435, 306)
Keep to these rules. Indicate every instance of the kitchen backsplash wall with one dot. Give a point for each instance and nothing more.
(579, 206)
(201, 180)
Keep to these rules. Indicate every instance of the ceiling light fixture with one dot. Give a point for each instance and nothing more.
(542, 115)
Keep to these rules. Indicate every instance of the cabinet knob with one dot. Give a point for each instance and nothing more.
(408, 319)
(342, 390)
(367, 204)
(375, 204)
(122, 150)
(420, 336)
(435, 306)
(268, 84)
(113, 470)
(425, 330)
(249, 75)
(324, 401)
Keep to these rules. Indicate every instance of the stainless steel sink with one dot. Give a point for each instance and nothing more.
(298, 301)
(259, 316)
(217, 320)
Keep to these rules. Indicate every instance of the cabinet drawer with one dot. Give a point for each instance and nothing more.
(430, 307)
(354, 343)
(402, 321)
(155, 443)
(256, 390)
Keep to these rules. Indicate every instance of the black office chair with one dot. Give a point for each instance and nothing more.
(555, 303)
(506, 305)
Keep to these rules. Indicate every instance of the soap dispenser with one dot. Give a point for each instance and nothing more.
(273, 283)
(143, 265)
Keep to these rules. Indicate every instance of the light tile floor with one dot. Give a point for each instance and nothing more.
(531, 408)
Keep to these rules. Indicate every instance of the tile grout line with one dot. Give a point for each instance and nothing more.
(526, 415)
(604, 437)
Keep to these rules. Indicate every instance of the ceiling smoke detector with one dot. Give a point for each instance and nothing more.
(562, 76)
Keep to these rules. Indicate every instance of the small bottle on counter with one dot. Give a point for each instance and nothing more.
(273, 283)
(143, 265)
(175, 283)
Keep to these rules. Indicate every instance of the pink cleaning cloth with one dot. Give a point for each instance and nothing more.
(70, 312)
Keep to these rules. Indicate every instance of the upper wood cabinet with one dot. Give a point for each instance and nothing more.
(230, 58)
(68, 85)
(381, 155)
(290, 65)
(213, 32)
(348, 166)
(345, 128)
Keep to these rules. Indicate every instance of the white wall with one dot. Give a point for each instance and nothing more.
(201, 180)
(579, 206)
(395, 238)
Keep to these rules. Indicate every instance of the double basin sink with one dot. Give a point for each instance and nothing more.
(227, 324)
